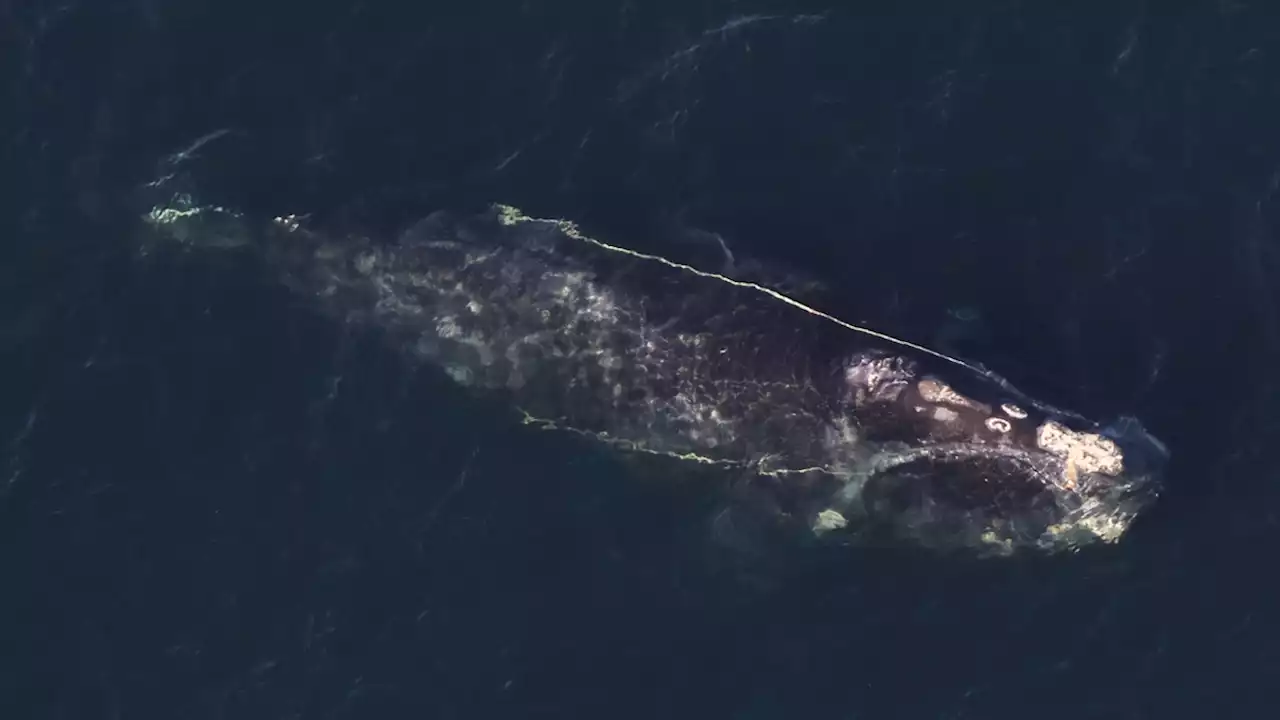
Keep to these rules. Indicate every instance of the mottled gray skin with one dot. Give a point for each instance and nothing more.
(874, 436)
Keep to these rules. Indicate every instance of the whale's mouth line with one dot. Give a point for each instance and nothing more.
(962, 489)
(1045, 467)
(956, 452)
(972, 479)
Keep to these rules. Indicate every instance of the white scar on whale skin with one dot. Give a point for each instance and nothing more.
(511, 216)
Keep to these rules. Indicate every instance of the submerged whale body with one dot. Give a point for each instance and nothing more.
(857, 436)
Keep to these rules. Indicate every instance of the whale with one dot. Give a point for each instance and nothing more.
(853, 435)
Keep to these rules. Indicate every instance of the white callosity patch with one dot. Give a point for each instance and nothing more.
(936, 391)
(1013, 411)
(943, 414)
(829, 520)
(877, 378)
(998, 424)
(1087, 452)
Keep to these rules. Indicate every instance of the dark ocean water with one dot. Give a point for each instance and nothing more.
(215, 503)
